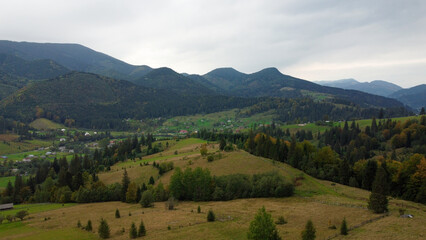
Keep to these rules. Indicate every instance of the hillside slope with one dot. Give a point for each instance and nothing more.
(414, 97)
(377, 87)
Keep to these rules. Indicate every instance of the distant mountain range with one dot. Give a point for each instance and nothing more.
(70, 81)
(414, 97)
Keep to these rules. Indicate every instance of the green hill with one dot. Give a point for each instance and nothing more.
(166, 78)
(414, 97)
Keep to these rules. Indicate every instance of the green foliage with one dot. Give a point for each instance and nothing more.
(378, 201)
(88, 226)
(103, 230)
(344, 227)
(309, 232)
(262, 227)
(198, 209)
(211, 216)
(133, 233)
(281, 221)
(117, 213)
(147, 199)
(78, 224)
(142, 230)
(22, 214)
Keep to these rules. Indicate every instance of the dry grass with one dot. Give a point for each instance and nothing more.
(8, 137)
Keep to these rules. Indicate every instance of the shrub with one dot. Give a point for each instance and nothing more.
(103, 229)
(117, 213)
(1, 219)
(142, 230)
(210, 216)
(210, 158)
(22, 214)
(10, 218)
(133, 232)
(281, 220)
(344, 227)
(147, 199)
(199, 209)
(79, 224)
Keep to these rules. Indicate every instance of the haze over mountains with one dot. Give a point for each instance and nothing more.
(415, 97)
(115, 90)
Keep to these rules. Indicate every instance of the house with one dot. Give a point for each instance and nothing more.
(26, 160)
(3, 157)
(62, 149)
(48, 153)
(62, 140)
(6, 206)
(63, 129)
(183, 132)
(71, 151)
(30, 156)
(87, 134)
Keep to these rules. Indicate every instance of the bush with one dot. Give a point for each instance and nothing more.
(10, 218)
(344, 227)
(21, 214)
(170, 204)
(199, 209)
(281, 220)
(88, 226)
(117, 213)
(210, 158)
(1, 219)
(147, 199)
(133, 232)
(79, 224)
(103, 229)
(210, 216)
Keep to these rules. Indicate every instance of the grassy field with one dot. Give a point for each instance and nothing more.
(5, 180)
(45, 124)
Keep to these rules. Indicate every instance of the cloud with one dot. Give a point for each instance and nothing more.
(312, 39)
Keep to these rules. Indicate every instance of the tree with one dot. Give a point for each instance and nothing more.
(263, 227)
(133, 232)
(222, 144)
(142, 230)
(21, 214)
(422, 112)
(125, 184)
(88, 226)
(147, 199)
(103, 229)
(151, 180)
(344, 227)
(203, 150)
(210, 216)
(309, 232)
(131, 194)
(117, 213)
(378, 201)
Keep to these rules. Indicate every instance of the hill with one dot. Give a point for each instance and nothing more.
(377, 87)
(272, 83)
(93, 101)
(75, 57)
(414, 97)
(166, 78)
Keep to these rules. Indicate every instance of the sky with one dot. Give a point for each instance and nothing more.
(309, 39)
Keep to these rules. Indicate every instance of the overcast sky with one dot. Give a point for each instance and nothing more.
(309, 39)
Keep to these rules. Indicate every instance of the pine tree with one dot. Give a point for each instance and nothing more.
(309, 232)
(210, 216)
(142, 230)
(117, 213)
(103, 229)
(344, 227)
(151, 180)
(125, 184)
(263, 227)
(133, 232)
(222, 144)
(378, 201)
(89, 226)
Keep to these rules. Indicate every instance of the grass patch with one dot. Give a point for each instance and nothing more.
(45, 124)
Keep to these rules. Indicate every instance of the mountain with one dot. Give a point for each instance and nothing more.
(93, 101)
(225, 78)
(30, 69)
(377, 87)
(270, 82)
(74, 57)
(166, 78)
(414, 97)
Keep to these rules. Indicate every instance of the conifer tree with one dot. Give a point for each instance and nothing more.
(378, 201)
(125, 184)
(89, 226)
(117, 213)
(133, 232)
(142, 230)
(344, 227)
(103, 229)
(263, 227)
(309, 232)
